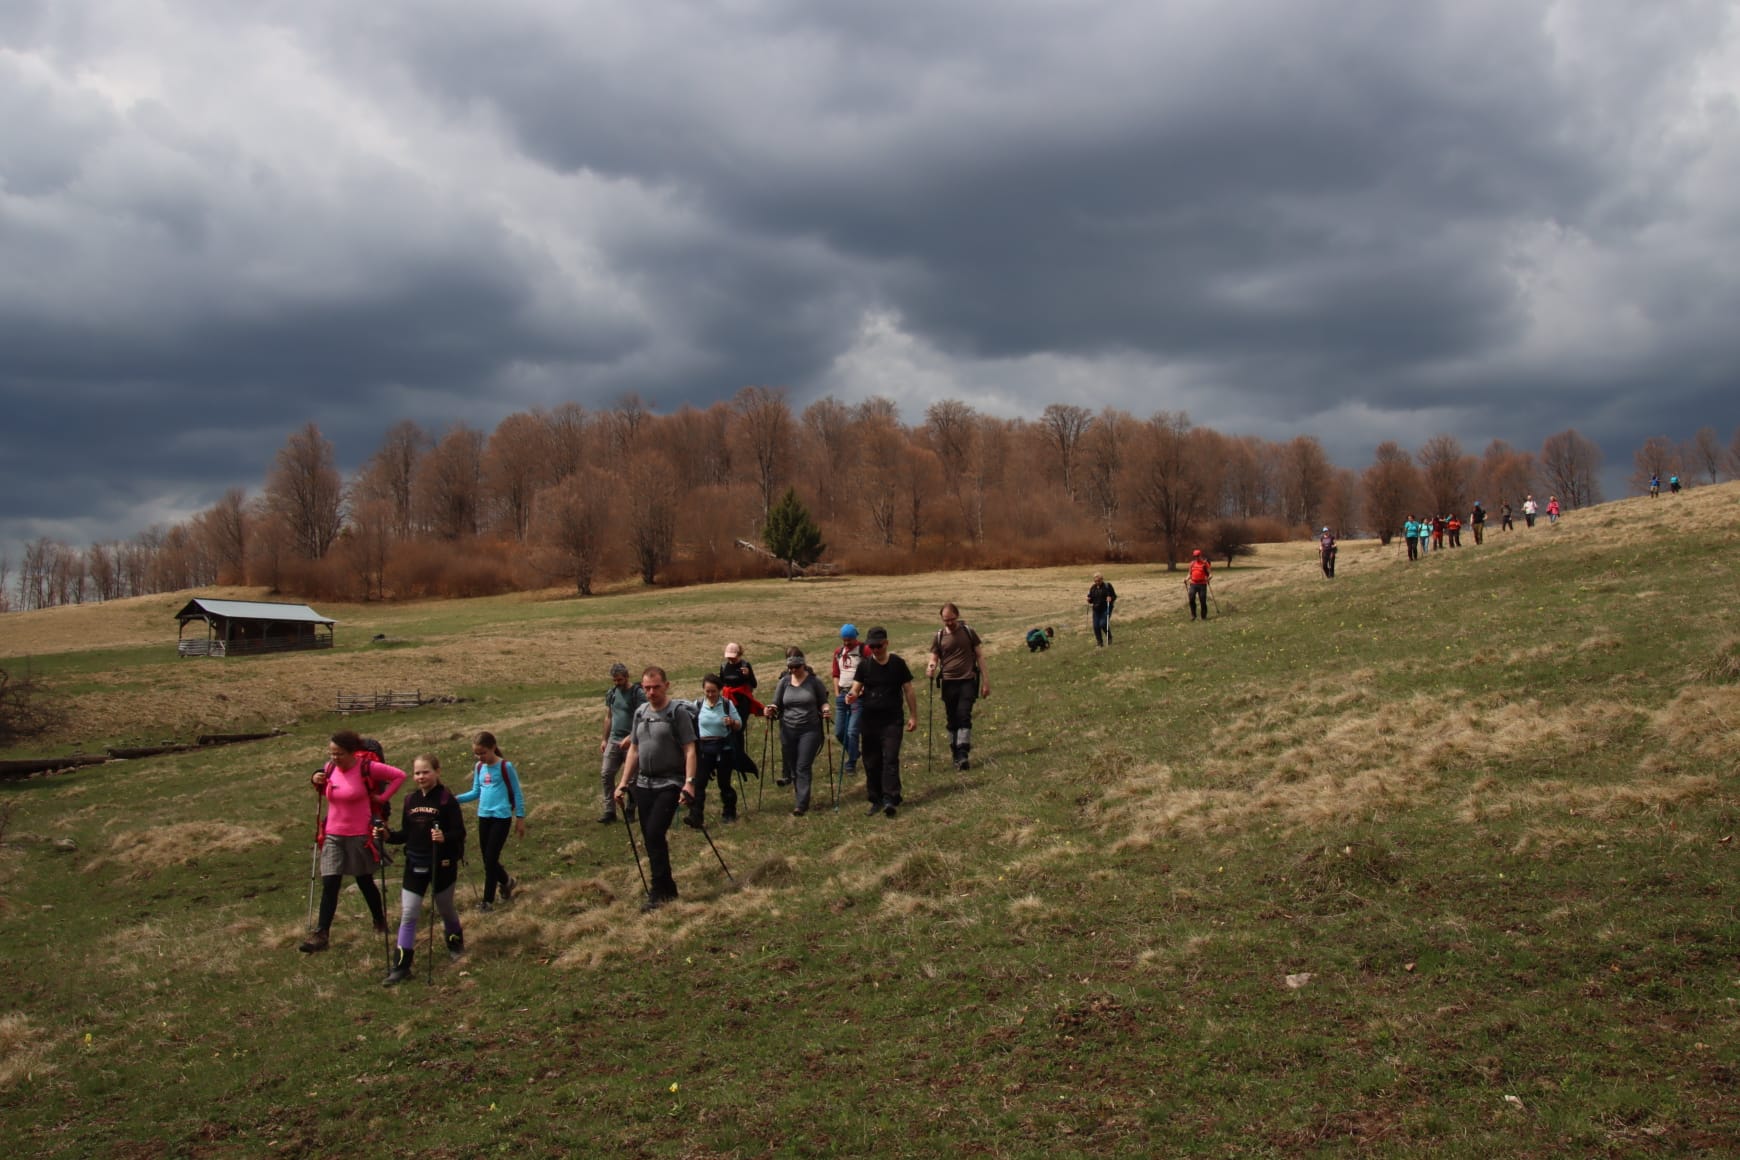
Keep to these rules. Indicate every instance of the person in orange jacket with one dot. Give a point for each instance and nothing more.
(1197, 584)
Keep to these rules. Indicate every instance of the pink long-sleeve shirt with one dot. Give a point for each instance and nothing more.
(347, 797)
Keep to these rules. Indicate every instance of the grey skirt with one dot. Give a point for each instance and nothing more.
(346, 855)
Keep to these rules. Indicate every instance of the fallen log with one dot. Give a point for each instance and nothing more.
(235, 738)
(27, 766)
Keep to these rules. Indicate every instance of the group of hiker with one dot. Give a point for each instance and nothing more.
(1435, 533)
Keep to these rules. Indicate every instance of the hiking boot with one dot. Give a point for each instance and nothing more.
(799, 811)
(401, 967)
(782, 782)
(849, 769)
(875, 808)
(508, 888)
(962, 764)
(317, 941)
(728, 817)
(654, 901)
(607, 817)
(888, 809)
(485, 906)
(455, 946)
(693, 821)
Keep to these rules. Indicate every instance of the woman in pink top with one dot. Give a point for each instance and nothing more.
(356, 786)
(1553, 509)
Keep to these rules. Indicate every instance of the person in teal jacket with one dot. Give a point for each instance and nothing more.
(495, 787)
(1411, 533)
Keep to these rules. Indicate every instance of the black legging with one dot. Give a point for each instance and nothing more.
(1198, 595)
(880, 749)
(714, 758)
(365, 884)
(492, 836)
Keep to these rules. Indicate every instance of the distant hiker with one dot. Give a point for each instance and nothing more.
(1326, 554)
(1453, 529)
(957, 663)
(432, 830)
(356, 785)
(1506, 523)
(1196, 584)
(1439, 526)
(1529, 510)
(880, 684)
(1411, 534)
(620, 702)
(660, 768)
(495, 787)
(800, 705)
(1674, 484)
(1477, 517)
(848, 719)
(1654, 486)
(717, 725)
(1552, 509)
(739, 680)
(1039, 639)
(1101, 598)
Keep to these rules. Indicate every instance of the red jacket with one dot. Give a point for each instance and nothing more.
(1199, 570)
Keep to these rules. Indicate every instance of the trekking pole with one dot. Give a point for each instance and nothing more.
(429, 949)
(627, 825)
(1210, 590)
(828, 740)
(929, 719)
(761, 774)
(718, 855)
(314, 858)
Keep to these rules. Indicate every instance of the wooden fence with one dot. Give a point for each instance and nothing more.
(375, 702)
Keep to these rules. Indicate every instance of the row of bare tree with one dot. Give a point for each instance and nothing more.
(575, 496)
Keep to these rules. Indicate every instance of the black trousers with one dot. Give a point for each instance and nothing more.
(657, 808)
(1198, 595)
(879, 746)
(957, 698)
(492, 836)
(714, 758)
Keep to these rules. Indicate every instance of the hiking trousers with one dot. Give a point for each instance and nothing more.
(657, 809)
(1102, 624)
(492, 836)
(880, 749)
(957, 698)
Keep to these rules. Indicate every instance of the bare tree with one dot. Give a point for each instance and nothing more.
(366, 545)
(835, 432)
(569, 428)
(1103, 454)
(1446, 474)
(765, 424)
(1176, 484)
(652, 513)
(391, 473)
(1657, 457)
(1064, 426)
(1571, 465)
(516, 464)
(572, 524)
(1308, 476)
(952, 428)
(883, 450)
(224, 529)
(1505, 474)
(449, 484)
(1392, 490)
(1705, 451)
(627, 419)
(1346, 502)
(305, 492)
(5, 582)
(1734, 455)
(696, 444)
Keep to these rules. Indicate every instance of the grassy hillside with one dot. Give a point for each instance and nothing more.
(1434, 858)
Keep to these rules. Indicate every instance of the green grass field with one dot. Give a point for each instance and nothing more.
(1434, 859)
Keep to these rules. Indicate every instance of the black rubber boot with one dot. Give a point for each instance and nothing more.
(401, 967)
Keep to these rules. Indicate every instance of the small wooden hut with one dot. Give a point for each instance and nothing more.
(245, 627)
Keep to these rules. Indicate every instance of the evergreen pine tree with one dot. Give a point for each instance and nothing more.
(791, 534)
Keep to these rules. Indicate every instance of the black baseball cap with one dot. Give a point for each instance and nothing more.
(877, 635)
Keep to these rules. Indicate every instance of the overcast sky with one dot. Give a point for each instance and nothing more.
(1358, 219)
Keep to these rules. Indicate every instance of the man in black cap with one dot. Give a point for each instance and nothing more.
(881, 682)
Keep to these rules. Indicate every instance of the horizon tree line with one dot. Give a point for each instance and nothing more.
(571, 496)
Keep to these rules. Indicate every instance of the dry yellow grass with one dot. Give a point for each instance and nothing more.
(148, 850)
(23, 1050)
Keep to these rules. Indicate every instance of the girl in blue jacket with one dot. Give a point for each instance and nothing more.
(495, 787)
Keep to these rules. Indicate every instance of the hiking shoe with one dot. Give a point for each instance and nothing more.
(317, 941)
(888, 809)
(962, 764)
(875, 808)
(782, 782)
(401, 969)
(654, 901)
(799, 811)
(693, 821)
(508, 888)
(485, 906)
(728, 818)
(607, 817)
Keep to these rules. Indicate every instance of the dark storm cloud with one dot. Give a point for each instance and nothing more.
(1358, 219)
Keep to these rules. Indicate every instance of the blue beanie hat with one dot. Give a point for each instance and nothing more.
(848, 632)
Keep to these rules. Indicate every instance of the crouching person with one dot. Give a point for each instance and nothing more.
(432, 830)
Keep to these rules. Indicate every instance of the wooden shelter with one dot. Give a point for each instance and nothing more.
(245, 627)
